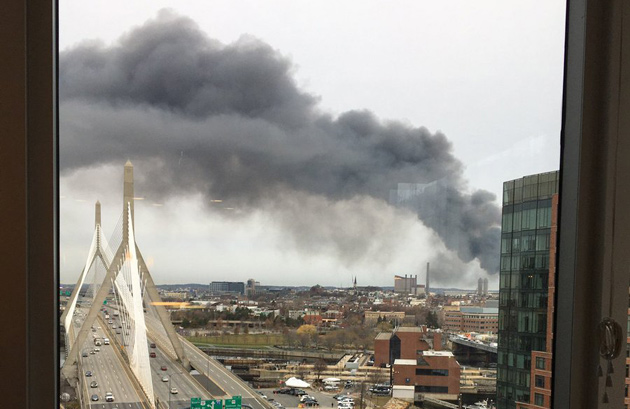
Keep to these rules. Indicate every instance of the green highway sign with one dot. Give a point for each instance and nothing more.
(234, 403)
(104, 302)
(198, 403)
(68, 292)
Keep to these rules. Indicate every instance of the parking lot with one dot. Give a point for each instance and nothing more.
(325, 399)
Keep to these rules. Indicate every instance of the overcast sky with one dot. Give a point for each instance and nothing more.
(301, 116)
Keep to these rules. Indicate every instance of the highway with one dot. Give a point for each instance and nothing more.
(223, 383)
(112, 374)
(107, 370)
(176, 376)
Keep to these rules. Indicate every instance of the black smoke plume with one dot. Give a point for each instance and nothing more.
(228, 121)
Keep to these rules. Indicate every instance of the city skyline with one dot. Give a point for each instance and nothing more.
(268, 232)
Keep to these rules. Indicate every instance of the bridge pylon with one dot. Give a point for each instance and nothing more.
(130, 278)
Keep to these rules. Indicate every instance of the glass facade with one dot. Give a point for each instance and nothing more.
(523, 282)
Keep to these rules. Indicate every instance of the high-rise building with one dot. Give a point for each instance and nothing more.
(227, 287)
(250, 290)
(526, 278)
(480, 287)
(485, 286)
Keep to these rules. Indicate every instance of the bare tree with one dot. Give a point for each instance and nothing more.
(318, 367)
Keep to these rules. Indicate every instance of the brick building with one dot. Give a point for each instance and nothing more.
(471, 319)
(371, 317)
(433, 373)
(404, 343)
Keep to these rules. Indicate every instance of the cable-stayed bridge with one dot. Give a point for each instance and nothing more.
(121, 348)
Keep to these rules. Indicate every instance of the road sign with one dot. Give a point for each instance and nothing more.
(234, 403)
(104, 302)
(198, 403)
(68, 292)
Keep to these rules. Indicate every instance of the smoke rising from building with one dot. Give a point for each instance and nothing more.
(228, 122)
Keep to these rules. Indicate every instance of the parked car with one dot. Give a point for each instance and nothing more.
(263, 395)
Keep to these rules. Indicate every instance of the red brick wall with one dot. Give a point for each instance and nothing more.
(381, 351)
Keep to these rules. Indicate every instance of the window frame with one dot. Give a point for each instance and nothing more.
(29, 200)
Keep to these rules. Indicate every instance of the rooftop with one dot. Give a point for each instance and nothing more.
(436, 353)
(412, 362)
(384, 335)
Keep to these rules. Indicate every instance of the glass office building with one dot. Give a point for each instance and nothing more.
(526, 235)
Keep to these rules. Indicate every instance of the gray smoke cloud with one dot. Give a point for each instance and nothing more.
(229, 122)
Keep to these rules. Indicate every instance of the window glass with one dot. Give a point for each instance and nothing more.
(289, 170)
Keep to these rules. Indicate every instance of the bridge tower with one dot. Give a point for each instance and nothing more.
(129, 275)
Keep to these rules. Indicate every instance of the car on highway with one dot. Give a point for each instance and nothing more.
(88, 373)
(97, 349)
(84, 354)
(163, 367)
(152, 345)
(174, 391)
(113, 327)
(118, 331)
(110, 322)
(109, 397)
(92, 352)
(94, 397)
(165, 378)
(152, 355)
(93, 384)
